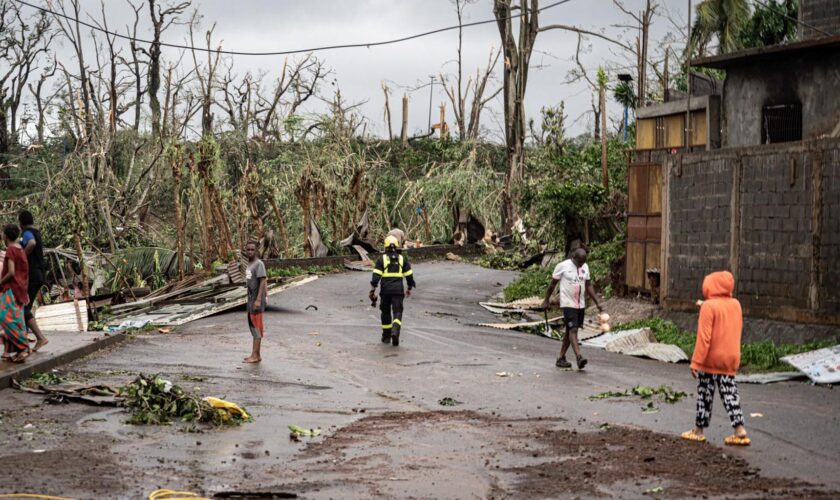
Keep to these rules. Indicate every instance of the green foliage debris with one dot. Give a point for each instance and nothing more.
(44, 378)
(449, 402)
(297, 431)
(506, 260)
(153, 400)
(663, 393)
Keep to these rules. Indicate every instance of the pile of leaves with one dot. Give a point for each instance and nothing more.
(667, 394)
(447, 401)
(44, 378)
(153, 400)
(533, 281)
(506, 260)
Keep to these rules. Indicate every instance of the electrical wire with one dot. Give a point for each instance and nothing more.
(281, 52)
(803, 23)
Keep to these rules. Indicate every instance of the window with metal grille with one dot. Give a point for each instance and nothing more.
(782, 123)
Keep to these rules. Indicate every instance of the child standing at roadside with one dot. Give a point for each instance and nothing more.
(717, 355)
(255, 281)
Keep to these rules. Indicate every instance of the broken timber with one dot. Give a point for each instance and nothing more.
(208, 298)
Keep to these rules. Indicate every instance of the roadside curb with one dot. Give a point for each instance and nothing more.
(29, 367)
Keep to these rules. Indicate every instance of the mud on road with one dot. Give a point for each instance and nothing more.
(451, 452)
(534, 434)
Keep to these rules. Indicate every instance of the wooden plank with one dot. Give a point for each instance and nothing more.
(653, 228)
(674, 131)
(63, 317)
(637, 227)
(651, 260)
(154, 299)
(698, 128)
(646, 133)
(654, 197)
(666, 226)
(179, 314)
(635, 264)
(637, 186)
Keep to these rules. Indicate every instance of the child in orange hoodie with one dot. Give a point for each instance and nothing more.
(717, 355)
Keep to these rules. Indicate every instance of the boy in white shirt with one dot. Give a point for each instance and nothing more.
(573, 277)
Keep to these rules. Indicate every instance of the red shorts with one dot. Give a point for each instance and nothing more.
(255, 324)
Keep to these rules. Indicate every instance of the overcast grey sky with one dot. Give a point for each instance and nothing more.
(265, 25)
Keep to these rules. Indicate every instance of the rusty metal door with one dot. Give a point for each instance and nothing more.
(644, 222)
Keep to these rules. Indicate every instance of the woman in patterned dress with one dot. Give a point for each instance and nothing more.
(13, 296)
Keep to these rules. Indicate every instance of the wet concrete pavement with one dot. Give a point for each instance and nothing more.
(326, 368)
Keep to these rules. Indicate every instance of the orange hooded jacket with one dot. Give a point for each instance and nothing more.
(718, 347)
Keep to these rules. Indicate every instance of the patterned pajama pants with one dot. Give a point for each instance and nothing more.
(728, 393)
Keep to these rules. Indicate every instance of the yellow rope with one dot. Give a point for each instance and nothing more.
(31, 495)
(174, 495)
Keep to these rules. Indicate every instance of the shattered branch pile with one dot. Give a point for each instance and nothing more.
(150, 400)
(156, 401)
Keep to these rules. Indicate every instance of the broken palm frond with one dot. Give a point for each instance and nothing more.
(96, 395)
(156, 401)
(665, 393)
(447, 401)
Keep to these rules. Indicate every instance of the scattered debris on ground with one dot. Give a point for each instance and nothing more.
(297, 432)
(822, 366)
(454, 258)
(447, 401)
(550, 462)
(638, 342)
(663, 393)
(153, 400)
(45, 378)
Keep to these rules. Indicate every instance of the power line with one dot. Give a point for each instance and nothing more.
(282, 52)
(803, 23)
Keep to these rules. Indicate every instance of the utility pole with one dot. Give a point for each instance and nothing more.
(687, 142)
(431, 93)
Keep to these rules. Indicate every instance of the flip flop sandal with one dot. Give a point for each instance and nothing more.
(734, 440)
(20, 357)
(691, 436)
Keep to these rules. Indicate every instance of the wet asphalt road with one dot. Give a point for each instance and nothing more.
(327, 369)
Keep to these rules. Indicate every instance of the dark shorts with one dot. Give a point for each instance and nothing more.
(573, 318)
(32, 291)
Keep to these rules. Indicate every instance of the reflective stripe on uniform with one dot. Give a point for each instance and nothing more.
(377, 271)
(398, 322)
(386, 327)
(386, 261)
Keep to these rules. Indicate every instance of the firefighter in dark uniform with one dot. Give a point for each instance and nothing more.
(388, 272)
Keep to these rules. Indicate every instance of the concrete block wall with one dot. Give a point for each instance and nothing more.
(770, 214)
(699, 226)
(774, 263)
(829, 291)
